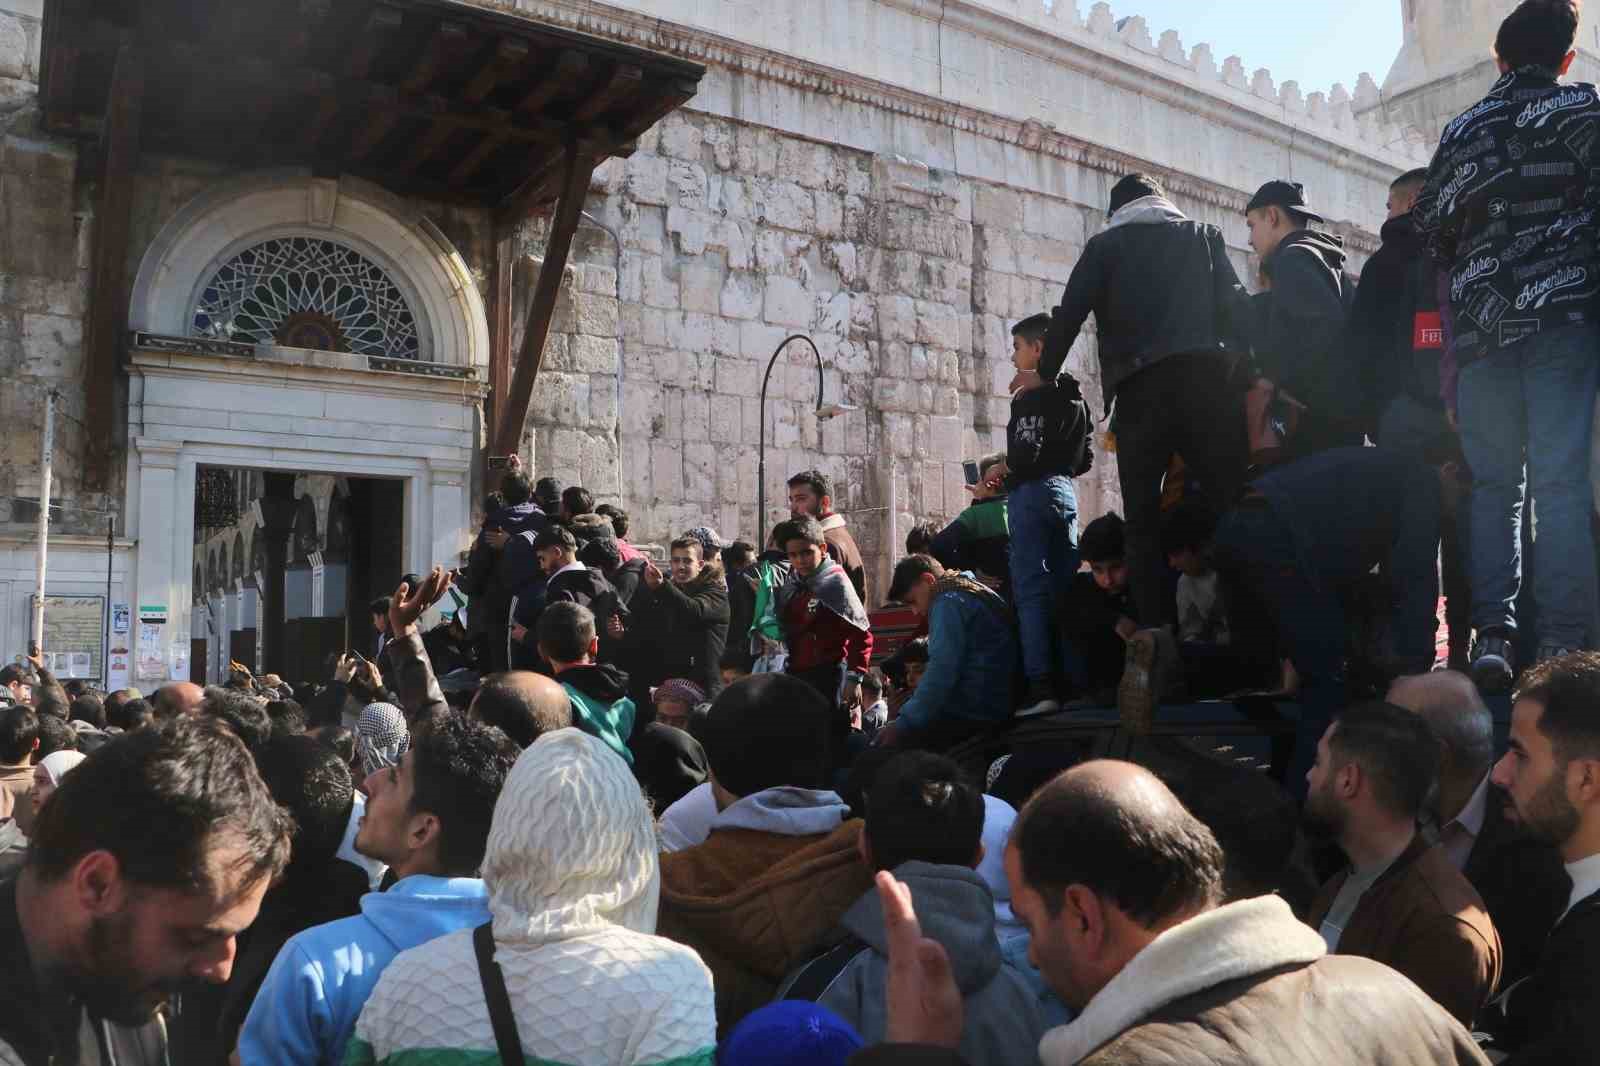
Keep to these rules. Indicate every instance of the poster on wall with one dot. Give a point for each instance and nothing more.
(119, 617)
(74, 635)
(151, 653)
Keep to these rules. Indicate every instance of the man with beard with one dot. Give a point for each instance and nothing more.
(811, 496)
(1552, 774)
(1401, 901)
(146, 864)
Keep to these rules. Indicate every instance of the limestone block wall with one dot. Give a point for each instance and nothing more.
(804, 192)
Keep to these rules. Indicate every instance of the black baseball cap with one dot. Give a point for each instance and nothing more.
(1289, 195)
(556, 536)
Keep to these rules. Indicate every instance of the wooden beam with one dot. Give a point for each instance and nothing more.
(378, 126)
(570, 67)
(500, 311)
(109, 282)
(59, 53)
(448, 40)
(312, 132)
(574, 187)
(509, 55)
(545, 181)
(487, 146)
(381, 24)
(624, 80)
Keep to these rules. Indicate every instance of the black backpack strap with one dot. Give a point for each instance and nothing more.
(497, 998)
(814, 978)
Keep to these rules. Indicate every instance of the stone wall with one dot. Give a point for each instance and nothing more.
(904, 234)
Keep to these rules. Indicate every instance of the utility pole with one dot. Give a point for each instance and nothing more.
(46, 462)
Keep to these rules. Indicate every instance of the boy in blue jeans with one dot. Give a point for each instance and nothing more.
(1047, 445)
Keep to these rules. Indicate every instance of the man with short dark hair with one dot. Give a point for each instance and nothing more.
(1301, 368)
(109, 918)
(811, 496)
(924, 823)
(1552, 775)
(243, 713)
(972, 656)
(679, 628)
(778, 845)
(1401, 901)
(428, 820)
(1118, 885)
(566, 580)
(501, 565)
(18, 682)
(1170, 313)
(1520, 877)
(619, 526)
(379, 610)
(599, 692)
(1509, 212)
(19, 737)
(576, 500)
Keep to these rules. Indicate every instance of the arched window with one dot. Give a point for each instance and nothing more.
(307, 292)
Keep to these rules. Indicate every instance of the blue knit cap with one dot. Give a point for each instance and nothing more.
(791, 1032)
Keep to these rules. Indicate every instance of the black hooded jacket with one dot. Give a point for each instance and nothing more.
(681, 631)
(1395, 335)
(1298, 334)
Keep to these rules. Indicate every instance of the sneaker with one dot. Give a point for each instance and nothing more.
(1493, 667)
(1137, 697)
(1041, 699)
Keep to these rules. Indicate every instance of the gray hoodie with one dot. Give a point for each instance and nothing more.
(955, 908)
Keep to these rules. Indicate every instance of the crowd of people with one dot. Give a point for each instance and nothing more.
(679, 806)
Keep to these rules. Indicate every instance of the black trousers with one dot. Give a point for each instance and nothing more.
(1184, 405)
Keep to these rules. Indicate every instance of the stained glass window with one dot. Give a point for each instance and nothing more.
(307, 292)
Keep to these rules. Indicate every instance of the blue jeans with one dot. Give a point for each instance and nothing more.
(1044, 556)
(1532, 406)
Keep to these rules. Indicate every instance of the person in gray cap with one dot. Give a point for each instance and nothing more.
(710, 543)
(1301, 372)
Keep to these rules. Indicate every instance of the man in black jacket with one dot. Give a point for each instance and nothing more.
(566, 581)
(681, 625)
(1298, 323)
(1169, 310)
(1552, 774)
(108, 919)
(1396, 339)
(502, 563)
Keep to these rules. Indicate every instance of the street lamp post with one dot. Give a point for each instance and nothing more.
(824, 412)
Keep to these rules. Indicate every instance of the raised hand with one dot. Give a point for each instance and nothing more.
(407, 604)
(924, 1003)
(652, 576)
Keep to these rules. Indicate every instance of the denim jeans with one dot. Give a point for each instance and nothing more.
(1527, 423)
(1044, 555)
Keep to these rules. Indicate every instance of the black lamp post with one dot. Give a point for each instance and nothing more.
(824, 412)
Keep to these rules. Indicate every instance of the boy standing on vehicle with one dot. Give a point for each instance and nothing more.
(1047, 445)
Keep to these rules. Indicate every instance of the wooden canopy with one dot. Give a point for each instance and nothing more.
(443, 99)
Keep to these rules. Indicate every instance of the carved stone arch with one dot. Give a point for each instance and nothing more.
(233, 216)
(305, 539)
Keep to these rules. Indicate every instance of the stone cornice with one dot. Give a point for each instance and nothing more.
(1170, 88)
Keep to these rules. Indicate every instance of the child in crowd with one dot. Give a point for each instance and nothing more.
(979, 538)
(734, 665)
(1098, 612)
(1202, 608)
(874, 708)
(825, 628)
(675, 701)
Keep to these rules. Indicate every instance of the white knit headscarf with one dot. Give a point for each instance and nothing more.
(572, 848)
(381, 737)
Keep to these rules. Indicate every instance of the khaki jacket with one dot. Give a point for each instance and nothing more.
(1423, 918)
